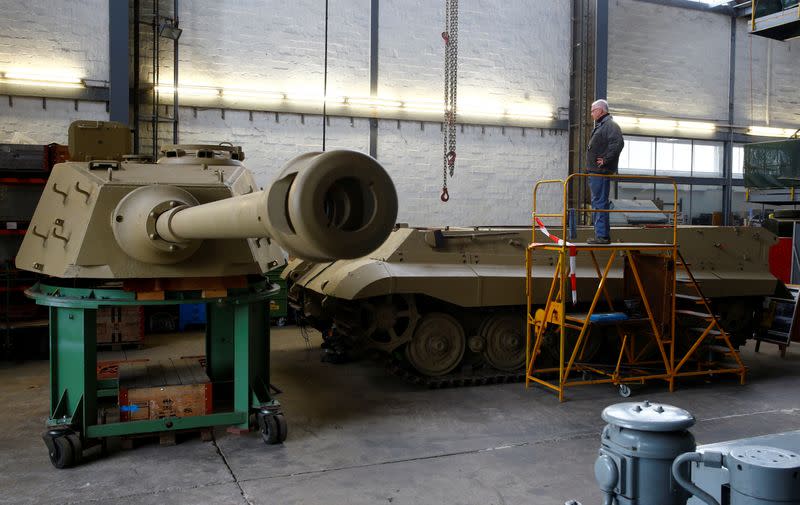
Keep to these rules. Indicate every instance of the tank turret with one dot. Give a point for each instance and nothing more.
(198, 212)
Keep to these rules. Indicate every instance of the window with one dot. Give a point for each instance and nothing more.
(673, 157)
(662, 195)
(638, 156)
(634, 191)
(686, 160)
(706, 206)
(707, 159)
(665, 198)
(738, 162)
(743, 212)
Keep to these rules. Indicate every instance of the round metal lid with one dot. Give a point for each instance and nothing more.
(647, 416)
(770, 457)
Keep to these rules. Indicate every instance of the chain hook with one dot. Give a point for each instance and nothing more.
(450, 38)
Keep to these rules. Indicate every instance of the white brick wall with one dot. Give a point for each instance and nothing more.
(785, 86)
(268, 143)
(494, 176)
(43, 36)
(668, 61)
(508, 52)
(26, 122)
(276, 44)
(663, 61)
(752, 72)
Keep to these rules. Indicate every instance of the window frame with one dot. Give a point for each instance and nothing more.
(721, 179)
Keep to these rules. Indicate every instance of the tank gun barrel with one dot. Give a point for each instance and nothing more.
(323, 206)
(235, 217)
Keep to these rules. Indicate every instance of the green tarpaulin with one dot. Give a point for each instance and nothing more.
(771, 165)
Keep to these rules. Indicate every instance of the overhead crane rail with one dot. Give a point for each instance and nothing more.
(775, 19)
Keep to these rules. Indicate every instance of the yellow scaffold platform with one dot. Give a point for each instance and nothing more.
(642, 342)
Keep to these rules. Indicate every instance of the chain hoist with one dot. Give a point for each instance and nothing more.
(450, 37)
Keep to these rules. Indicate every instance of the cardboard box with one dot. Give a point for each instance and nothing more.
(160, 389)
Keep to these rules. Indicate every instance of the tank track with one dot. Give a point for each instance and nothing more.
(479, 377)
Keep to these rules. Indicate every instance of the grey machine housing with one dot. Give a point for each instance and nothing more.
(648, 457)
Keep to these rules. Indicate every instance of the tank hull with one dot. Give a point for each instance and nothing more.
(377, 301)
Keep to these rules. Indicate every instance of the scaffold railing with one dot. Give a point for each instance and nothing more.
(647, 346)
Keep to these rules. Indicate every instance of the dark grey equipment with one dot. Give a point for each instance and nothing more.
(647, 455)
(638, 446)
(758, 475)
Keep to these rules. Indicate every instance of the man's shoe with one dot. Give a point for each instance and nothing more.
(598, 240)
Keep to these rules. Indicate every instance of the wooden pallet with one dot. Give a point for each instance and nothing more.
(209, 287)
(119, 346)
(165, 437)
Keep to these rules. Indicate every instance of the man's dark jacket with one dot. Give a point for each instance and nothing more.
(606, 143)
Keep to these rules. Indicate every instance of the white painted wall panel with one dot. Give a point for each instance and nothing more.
(668, 61)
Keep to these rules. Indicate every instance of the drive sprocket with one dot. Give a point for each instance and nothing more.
(389, 321)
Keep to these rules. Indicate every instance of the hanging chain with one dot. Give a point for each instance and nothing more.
(453, 69)
(450, 36)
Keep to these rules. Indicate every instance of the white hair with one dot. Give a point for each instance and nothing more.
(600, 103)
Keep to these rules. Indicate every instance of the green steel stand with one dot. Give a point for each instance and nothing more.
(237, 353)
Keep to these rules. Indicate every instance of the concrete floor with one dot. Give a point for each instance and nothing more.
(357, 436)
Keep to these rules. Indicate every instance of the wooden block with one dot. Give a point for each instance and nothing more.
(214, 293)
(184, 284)
(166, 438)
(110, 369)
(201, 358)
(150, 295)
(162, 389)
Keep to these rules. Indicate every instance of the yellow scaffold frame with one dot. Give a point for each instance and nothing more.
(629, 368)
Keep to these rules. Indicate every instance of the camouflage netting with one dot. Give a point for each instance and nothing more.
(771, 165)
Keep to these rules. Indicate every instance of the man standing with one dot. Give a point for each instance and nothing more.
(603, 153)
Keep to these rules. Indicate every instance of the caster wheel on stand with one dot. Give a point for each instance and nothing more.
(62, 449)
(272, 427)
(77, 448)
(281, 427)
(624, 390)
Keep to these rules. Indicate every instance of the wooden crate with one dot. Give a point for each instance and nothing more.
(160, 389)
(120, 325)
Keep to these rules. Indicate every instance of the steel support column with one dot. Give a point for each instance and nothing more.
(136, 83)
(727, 157)
(373, 73)
(219, 342)
(119, 87)
(175, 104)
(601, 50)
(73, 366)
